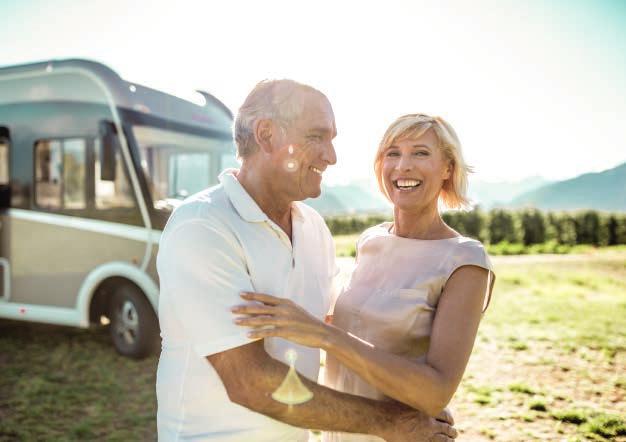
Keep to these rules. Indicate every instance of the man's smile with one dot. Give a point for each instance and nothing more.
(316, 170)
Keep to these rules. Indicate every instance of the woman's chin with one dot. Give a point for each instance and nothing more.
(406, 201)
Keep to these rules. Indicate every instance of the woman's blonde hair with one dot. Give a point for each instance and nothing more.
(411, 126)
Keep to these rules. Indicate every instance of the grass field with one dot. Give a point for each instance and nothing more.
(550, 364)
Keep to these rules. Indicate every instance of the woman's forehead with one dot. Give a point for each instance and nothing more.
(417, 136)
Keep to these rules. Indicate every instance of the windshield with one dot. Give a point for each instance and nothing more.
(178, 164)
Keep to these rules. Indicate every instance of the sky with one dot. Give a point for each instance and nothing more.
(533, 88)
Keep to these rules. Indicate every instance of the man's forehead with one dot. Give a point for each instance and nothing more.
(317, 114)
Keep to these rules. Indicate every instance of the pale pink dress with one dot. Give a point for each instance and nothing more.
(391, 299)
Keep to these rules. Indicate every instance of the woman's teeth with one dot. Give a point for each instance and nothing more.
(407, 184)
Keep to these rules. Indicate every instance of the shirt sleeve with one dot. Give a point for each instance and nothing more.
(473, 253)
(203, 270)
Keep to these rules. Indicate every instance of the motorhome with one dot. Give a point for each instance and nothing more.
(91, 167)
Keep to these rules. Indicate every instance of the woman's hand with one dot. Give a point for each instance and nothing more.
(280, 317)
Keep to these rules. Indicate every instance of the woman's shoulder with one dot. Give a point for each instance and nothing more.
(378, 230)
(467, 251)
(468, 243)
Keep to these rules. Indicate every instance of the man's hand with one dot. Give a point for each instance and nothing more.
(415, 426)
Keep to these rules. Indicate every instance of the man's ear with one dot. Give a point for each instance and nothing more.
(263, 131)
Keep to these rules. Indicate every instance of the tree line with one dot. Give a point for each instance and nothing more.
(526, 227)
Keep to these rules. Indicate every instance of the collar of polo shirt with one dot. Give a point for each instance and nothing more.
(247, 208)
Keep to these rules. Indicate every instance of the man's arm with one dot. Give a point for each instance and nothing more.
(250, 375)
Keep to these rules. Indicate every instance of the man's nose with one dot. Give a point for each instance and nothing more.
(329, 155)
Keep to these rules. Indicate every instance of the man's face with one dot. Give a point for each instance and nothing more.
(305, 149)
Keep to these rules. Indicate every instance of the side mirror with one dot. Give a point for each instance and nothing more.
(110, 144)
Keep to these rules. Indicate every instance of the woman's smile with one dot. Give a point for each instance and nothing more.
(407, 184)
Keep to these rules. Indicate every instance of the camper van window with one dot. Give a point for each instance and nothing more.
(112, 194)
(74, 174)
(176, 164)
(229, 161)
(60, 173)
(4, 161)
(48, 174)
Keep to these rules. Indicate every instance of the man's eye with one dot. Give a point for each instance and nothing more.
(315, 137)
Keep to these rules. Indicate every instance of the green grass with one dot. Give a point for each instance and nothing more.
(575, 305)
(548, 364)
(554, 333)
(538, 405)
(521, 388)
(345, 245)
(592, 423)
(63, 383)
(606, 425)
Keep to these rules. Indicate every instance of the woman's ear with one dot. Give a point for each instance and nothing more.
(263, 134)
(449, 170)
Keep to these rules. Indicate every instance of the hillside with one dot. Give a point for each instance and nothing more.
(352, 198)
(600, 191)
(488, 194)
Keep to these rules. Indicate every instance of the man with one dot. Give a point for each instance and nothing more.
(251, 233)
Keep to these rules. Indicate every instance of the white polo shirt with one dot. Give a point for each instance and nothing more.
(215, 245)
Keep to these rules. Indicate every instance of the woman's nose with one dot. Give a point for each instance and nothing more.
(405, 163)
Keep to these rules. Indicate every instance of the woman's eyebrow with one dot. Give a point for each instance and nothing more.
(393, 146)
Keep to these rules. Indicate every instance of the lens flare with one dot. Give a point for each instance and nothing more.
(291, 165)
(292, 391)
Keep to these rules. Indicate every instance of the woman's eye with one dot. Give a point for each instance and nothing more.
(422, 153)
(392, 154)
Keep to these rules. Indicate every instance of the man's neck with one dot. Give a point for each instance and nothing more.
(269, 200)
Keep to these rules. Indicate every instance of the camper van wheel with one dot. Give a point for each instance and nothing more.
(134, 326)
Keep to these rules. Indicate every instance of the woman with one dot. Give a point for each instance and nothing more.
(404, 326)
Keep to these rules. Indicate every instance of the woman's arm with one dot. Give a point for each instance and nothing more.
(427, 386)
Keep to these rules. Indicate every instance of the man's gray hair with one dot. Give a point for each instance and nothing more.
(275, 100)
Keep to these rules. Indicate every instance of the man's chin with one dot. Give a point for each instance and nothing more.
(315, 193)
(311, 193)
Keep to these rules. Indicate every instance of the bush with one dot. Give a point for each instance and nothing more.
(533, 227)
(501, 227)
(512, 232)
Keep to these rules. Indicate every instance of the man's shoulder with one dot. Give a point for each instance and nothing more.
(309, 213)
(210, 206)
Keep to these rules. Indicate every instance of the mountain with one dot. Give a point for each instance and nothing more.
(353, 198)
(489, 194)
(600, 191)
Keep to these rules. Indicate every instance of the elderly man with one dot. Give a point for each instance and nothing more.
(251, 233)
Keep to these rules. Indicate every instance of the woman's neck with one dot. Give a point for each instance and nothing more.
(425, 223)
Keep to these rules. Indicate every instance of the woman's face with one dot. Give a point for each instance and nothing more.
(413, 171)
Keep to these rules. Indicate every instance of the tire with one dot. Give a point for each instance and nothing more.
(134, 326)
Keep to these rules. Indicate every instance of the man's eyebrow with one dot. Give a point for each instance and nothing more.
(322, 129)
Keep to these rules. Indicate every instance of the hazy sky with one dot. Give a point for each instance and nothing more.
(532, 87)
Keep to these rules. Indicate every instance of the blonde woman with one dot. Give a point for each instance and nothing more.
(404, 326)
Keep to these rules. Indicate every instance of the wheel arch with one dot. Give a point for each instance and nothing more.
(100, 283)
